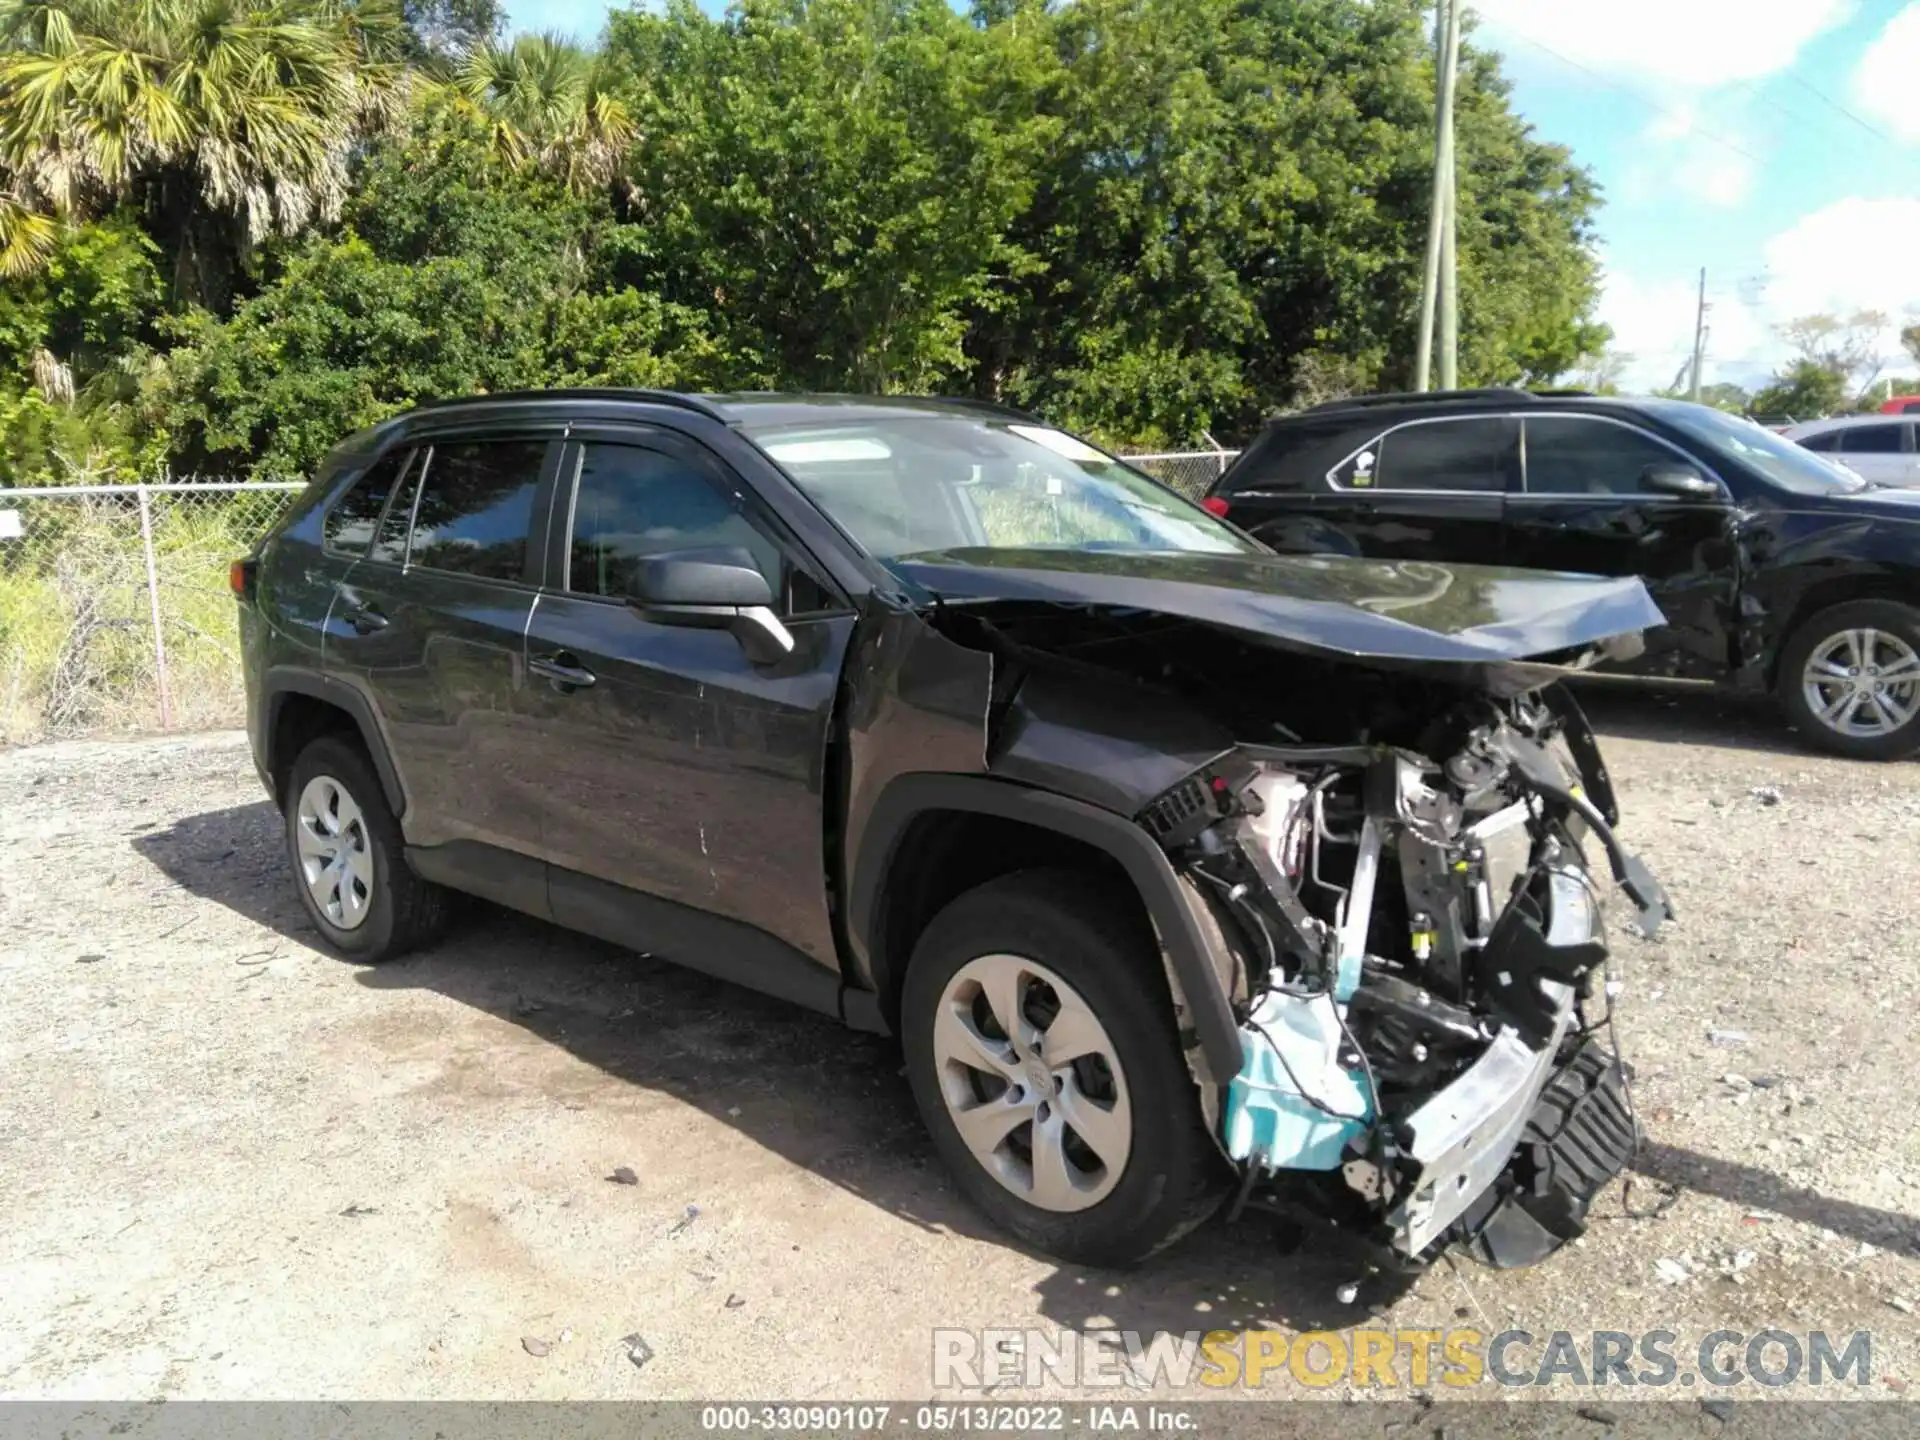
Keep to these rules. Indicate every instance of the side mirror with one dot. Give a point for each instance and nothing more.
(1679, 479)
(713, 589)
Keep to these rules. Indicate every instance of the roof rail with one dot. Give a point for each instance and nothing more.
(586, 392)
(1405, 397)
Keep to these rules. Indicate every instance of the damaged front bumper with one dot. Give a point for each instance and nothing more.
(1416, 1063)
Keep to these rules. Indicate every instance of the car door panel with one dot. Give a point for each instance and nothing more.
(676, 768)
(1585, 511)
(439, 652)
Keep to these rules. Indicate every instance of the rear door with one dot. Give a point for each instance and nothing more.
(1881, 451)
(677, 770)
(1587, 509)
(1428, 490)
(430, 625)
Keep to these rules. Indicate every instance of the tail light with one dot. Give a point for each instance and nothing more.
(240, 578)
(1214, 505)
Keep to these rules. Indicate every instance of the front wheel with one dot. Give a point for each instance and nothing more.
(1041, 1050)
(1850, 680)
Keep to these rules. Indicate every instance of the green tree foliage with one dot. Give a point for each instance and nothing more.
(73, 347)
(229, 121)
(827, 177)
(449, 279)
(1805, 390)
(1154, 220)
(1234, 208)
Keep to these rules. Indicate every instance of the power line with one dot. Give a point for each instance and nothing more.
(1651, 104)
(1831, 103)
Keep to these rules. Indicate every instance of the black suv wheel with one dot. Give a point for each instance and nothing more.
(348, 858)
(1850, 679)
(1041, 1049)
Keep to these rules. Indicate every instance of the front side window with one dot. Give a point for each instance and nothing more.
(475, 502)
(633, 503)
(1872, 440)
(1577, 455)
(1472, 453)
(350, 523)
(1825, 441)
(917, 484)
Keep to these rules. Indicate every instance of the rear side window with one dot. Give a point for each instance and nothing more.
(1872, 440)
(1471, 453)
(476, 500)
(1575, 455)
(1826, 440)
(351, 520)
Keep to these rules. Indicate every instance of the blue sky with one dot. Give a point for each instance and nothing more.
(1775, 142)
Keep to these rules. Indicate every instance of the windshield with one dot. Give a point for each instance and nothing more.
(1776, 458)
(914, 484)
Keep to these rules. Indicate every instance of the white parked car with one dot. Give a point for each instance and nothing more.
(1880, 448)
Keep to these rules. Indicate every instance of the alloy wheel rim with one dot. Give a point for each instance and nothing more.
(1033, 1083)
(1863, 683)
(330, 833)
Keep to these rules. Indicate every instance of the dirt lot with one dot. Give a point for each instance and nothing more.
(235, 1166)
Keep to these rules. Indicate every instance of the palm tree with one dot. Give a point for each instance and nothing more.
(194, 108)
(546, 104)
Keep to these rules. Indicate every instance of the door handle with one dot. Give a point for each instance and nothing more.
(365, 620)
(563, 670)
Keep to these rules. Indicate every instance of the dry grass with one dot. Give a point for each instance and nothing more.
(77, 647)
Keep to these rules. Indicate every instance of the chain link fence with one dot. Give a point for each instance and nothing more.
(115, 612)
(1191, 472)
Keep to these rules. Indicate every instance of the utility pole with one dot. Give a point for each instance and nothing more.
(1699, 338)
(1439, 290)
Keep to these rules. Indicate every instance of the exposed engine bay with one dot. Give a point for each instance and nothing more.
(1389, 818)
(1419, 953)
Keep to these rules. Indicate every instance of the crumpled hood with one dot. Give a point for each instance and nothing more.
(1407, 611)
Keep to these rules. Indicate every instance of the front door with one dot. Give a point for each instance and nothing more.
(1428, 490)
(676, 768)
(1587, 509)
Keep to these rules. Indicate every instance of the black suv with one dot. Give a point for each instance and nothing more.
(1175, 865)
(1777, 569)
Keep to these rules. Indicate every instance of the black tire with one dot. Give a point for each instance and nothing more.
(1097, 942)
(404, 911)
(1891, 617)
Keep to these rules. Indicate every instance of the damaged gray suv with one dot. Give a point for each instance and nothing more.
(1182, 870)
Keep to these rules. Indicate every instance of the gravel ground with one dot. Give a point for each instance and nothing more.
(236, 1166)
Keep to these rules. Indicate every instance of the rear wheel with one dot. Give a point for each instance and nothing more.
(1041, 1050)
(349, 860)
(1850, 679)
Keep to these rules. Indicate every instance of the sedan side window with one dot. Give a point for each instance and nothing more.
(1872, 440)
(475, 504)
(1578, 455)
(633, 503)
(1472, 453)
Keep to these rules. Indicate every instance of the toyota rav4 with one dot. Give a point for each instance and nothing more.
(1181, 869)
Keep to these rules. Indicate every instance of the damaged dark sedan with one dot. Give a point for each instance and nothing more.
(1185, 872)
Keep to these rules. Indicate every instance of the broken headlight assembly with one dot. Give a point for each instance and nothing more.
(1418, 947)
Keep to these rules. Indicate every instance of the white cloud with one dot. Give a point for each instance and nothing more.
(1692, 44)
(1678, 159)
(1887, 83)
(1856, 254)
